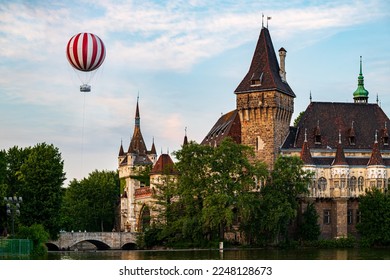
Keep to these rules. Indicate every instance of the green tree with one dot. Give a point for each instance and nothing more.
(193, 167)
(298, 118)
(374, 227)
(41, 177)
(39, 236)
(231, 176)
(279, 206)
(91, 204)
(211, 190)
(309, 229)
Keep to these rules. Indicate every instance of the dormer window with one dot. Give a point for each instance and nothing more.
(386, 140)
(256, 79)
(352, 140)
(317, 139)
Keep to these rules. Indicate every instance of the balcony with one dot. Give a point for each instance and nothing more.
(143, 192)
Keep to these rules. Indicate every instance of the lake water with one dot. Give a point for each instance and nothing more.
(241, 254)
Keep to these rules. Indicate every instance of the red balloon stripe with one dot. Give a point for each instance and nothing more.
(85, 52)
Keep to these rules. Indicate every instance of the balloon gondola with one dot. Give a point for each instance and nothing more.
(85, 53)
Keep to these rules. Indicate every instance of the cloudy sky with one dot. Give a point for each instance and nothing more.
(184, 58)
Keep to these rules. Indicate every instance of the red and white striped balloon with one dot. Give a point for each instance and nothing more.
(85, 52)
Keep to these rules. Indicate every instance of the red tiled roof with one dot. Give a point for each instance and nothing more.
(164, 165)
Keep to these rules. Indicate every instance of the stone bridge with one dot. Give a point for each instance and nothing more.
(102, 240)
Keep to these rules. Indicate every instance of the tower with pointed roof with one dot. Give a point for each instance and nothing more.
(265, 101)
(132, 166)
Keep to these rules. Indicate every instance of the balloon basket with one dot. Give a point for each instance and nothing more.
(85, 88)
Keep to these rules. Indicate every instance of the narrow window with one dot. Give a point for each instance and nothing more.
(360, 183)
(322, 184)
(326, 217)
(358, 216)
(349, 217)
(352, 183)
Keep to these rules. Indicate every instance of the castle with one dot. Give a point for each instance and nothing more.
(345, 145)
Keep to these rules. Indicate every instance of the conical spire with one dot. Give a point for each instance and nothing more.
(264, 70)
(137, 118)
(121, 151)
(376, 157)
(361, 94)
(185, 142)
(137, 144)
(340, 156)
(305, 152)
(153, 149)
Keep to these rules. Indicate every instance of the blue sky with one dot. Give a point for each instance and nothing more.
(184, 58)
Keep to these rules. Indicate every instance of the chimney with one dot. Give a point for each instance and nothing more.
(282, 58)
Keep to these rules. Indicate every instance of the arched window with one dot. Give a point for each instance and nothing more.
(352, 183)
(322, 184)
(145, 218)
(360, 183)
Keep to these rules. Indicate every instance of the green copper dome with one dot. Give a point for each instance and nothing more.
(361, 94)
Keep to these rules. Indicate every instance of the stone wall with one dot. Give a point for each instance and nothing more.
(265, 119)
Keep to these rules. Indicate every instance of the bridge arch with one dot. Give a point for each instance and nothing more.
(100, 245)
(52, 247)
(101, 240)
(129, 246)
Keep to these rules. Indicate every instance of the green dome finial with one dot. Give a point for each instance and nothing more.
(361, 94)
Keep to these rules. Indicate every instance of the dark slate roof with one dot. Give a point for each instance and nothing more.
(137, 144)
(228, 125)
(376, 157)
(153, 150)
(351, 161)
(360, 120)
(265, 67)
(164, 165)
(340, 156)
(121, 151)
(306, 155)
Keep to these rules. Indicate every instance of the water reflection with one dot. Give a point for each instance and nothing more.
(249, 254)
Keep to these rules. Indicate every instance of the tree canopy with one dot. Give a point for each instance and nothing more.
(36, 174)
(91, 203)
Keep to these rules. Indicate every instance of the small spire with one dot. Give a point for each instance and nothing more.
(185, 142)
(305, 134)
(377, 98)
(310, 97)
(361, 94)
(376, 136)
(137, 117)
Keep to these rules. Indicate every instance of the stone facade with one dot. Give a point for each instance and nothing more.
(265, 119)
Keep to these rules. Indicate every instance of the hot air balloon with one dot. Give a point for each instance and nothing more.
(85, 53)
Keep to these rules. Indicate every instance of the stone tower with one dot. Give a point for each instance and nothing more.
(131, 164)
(265, 101)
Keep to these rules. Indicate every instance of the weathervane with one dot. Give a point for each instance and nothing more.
(262, 20)
(268, 18)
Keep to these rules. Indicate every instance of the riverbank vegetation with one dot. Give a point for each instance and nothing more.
(217, 194)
